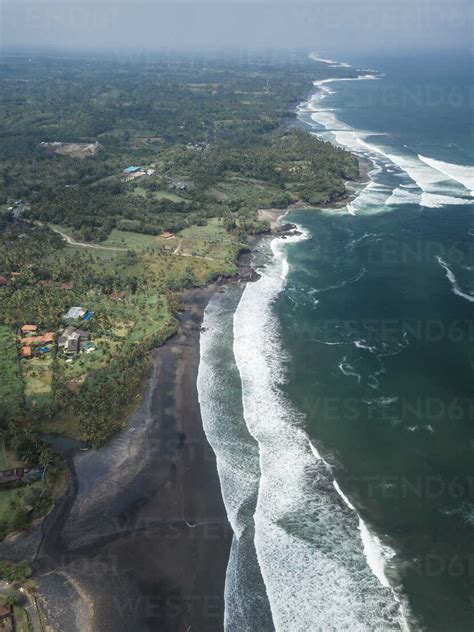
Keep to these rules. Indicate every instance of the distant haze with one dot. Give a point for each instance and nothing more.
(333, 25)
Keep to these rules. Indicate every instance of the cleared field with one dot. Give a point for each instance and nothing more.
(159, 195)
(38, 375)
(211, 240)
(248, 192)
(129, 240)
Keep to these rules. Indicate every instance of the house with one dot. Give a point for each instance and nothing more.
(29, 329)
(83, 335)
(36, 340)
(26, 352)
(11, 478)
(131, 169)
(6, 616)
(88, 316)
(3, 281)
(26, 342)
(72, 346)
(88, 347)
(167, 235)
(74, 313)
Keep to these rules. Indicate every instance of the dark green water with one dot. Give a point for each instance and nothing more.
(377, 317)
(337, 390)
(396, 411)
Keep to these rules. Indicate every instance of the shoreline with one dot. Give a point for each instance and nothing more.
(142, 537)
(273, 215)
(145, 510)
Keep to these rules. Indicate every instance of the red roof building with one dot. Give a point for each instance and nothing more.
(29, 329)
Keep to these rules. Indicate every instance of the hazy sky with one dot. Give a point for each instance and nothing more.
(324, 26)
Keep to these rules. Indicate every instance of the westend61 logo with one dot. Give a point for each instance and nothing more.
(385, 335)
(416, 413)
(434, 565)
(385, 250)
(430, 487)
(171, 607)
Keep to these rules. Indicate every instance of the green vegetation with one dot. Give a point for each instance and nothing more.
(11, 383)
(212, 139)
(14, 572)
(211, 124)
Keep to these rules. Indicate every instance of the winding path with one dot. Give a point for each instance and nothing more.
(72, 242)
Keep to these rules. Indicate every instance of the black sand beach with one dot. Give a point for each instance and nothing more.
(142, 542)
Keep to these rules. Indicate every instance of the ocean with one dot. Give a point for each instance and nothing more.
(336, 391)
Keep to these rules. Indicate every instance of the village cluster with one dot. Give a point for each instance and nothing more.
(132, 172)
(70, 340)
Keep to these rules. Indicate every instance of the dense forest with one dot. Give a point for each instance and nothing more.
(206, 122)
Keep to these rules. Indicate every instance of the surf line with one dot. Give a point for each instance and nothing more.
(374, 551)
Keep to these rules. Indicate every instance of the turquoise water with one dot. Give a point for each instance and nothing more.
(337, 390)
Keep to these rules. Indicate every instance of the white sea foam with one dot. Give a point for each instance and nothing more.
(236, 457)
(341, 284)
(330, 62)
(375, 552)
(348, 369)
(437, 182)
(460, 173)
(403, 195)
(308, 546)
(454, 282)
(435, 200)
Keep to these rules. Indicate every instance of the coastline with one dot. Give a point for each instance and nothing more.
(146, 511)
(144, 542)
(274, 215)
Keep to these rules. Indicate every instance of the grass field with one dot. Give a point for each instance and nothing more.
(247, 191)
(38, 376)
(11, 383)
(211, 241)
(129, 240)
(159, 195)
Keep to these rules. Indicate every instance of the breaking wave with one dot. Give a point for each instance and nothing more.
(320, 569)
(433, 183)
(456, 288)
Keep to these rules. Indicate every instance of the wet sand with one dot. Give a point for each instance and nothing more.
(142, 540)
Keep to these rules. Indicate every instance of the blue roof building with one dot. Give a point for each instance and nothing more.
(131, 169)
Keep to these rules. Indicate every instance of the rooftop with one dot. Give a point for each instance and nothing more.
(131, 169)
(74, 312)
(31, 328)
